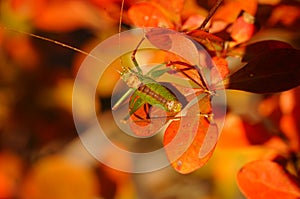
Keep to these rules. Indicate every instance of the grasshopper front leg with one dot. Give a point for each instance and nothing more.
(133, 57)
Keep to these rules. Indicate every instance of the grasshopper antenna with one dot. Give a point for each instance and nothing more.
(121, 16)
(55, 42)
(118, 71)
(120, 27)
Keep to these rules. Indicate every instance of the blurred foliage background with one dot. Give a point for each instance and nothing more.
(41, 156)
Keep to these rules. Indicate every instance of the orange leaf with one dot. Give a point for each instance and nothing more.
(267, 179)
(148, 14)
(233, 130)
(143, 126)
(190, 141)
(67, 16)
(286, 15)
(193, 22)
(57, 177)
(107, 3)
(243, 28)
(231, 9)
(269, 107)
(173, 8)
(28, 9)
(289, 123)
(192, 7)
(269, 2)
(11, 167)
(26, 55)
(221, 67)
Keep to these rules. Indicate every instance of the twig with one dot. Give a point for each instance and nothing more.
(210, 14)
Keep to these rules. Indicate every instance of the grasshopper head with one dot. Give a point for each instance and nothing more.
(174, 106)
(177, 106)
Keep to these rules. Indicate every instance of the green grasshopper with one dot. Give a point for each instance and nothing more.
(146, 90)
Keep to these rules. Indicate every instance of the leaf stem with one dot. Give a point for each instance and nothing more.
(210, 14)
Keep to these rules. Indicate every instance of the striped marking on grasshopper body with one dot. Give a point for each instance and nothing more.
(147, 90)
(157, 95)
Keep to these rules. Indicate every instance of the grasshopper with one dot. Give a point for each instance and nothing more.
(144, 89)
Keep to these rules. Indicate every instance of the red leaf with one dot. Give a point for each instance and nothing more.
(168, 40)
(161, 38)
(256, 134)
(256, 49)
(209, 40)
(247, 134)
(190, 141)
(271, 71)
(267, 179)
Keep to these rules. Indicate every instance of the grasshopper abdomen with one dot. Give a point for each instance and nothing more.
(157, 95)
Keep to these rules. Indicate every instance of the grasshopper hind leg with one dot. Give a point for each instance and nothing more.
(146, 108)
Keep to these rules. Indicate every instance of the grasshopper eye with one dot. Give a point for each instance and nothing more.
(174, 106)
(170, 105)
(177, 107)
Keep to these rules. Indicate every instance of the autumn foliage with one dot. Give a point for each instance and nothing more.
(267, 179)
(254, 45)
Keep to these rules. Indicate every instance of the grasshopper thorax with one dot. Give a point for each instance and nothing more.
(131, 79)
